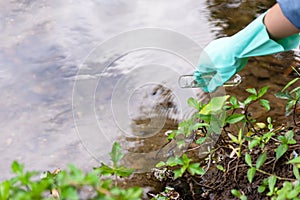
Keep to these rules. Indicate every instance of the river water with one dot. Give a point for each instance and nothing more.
(77, 75)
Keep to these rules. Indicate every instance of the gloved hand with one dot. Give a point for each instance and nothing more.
(226, 56)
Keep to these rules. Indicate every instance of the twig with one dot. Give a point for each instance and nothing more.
(278, 177)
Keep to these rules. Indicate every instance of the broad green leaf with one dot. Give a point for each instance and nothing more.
(4, 190)
(243, 197)
(215, 105)
(283, 95)
(293, 194)
(233, 138)
(185, 159)
(160, 164)
(265, 103)
(262, 91)
(296, 172)
(134, 193)
(232, 119)
(294, 160)
(261, 188)
(249, 99)
(69, 193)
(252, 91)
(290, 137)
(178, 172)
(123, 171)
(193, 103)
(290, 104)
(272, 182)
(233, 100)
(17, 168)
(236, 193)
(280, 150)
(289, 84)
(173, 161)
(251, 174)
(248, 160)
(196, 169)
(116, 154)
(106, 170)
(261, 160)
(254, 143)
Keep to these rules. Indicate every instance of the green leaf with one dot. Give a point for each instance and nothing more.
(280, 150)
(248, 160)
(215, 105)
(69, 193)
(252, 91)
(193, 103)
(265, 103)
(196, 169)
(160, 164)
(4, 190)
(289, 84)
(249, 99)
(290, 137)
(233, 138)
(261, 160)
(17, 168)
(251, 174)
(232, 119)
(254, 143)
(185, 159)
(262, 91)
(178, 172)
(105, 170)
(173, 161)
(123, 171)
(261, 188)
(294, 160)
(296, 172)
(200, 140)
(236, 193)
(282, 95)
(116, 154)
(243, 197)
(221, 168)
(196, 126)
(233, 100)
(293, 195)
(272, 182)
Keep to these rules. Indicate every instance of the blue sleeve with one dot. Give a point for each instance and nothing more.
(291, 10)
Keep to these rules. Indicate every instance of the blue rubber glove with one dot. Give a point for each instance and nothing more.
(224, 57)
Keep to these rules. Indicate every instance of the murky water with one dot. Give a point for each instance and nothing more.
(43, 44)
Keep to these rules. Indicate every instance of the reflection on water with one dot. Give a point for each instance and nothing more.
(43, 43)
(230, 16)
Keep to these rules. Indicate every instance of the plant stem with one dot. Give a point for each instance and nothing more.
(278, 177)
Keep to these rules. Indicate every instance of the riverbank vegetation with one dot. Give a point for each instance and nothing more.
(229, 155)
